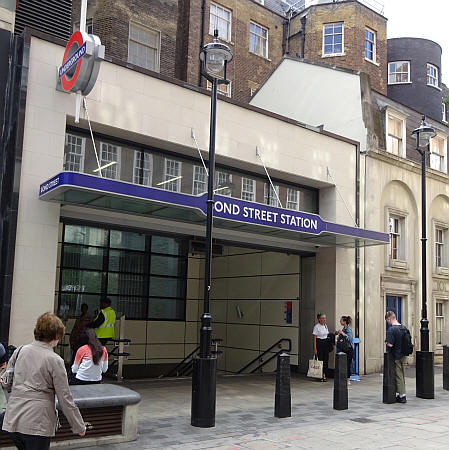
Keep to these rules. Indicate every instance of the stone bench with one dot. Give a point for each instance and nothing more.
(111, 410)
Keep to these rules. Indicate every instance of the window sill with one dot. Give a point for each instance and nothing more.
(332, 55)
(397, 265)
(435, 87)
(260, 56)
(222, 39)
(402, 82)
(372, 62)
(442, 271)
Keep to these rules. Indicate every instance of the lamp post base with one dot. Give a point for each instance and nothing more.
(204, 392)
(425, 375)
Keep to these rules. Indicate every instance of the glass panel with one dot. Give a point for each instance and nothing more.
(70, 304)
(131, 307)
(126, 261)
(78, 234)
(81, 257)
(81, 281)
(127, 239)
(166, 287)
(166, 245)
(165, 308)
(126, 284)
(167, 265)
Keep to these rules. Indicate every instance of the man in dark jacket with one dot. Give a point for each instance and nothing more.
(394, 344)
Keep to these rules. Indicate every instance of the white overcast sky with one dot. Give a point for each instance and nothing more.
(421, 18)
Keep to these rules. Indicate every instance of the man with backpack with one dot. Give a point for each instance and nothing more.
(399, 342)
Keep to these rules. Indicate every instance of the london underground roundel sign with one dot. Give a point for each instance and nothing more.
(81, 63)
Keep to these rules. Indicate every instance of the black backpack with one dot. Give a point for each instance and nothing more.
(406, 343)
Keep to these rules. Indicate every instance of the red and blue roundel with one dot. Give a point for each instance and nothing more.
(72, 61)
(81, 63)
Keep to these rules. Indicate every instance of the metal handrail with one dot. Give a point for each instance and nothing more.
(276, 344)
(174, 371)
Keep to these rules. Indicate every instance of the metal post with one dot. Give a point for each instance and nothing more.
(340, 382)
(389, 382)
(424, 358)
(282, 397)
(204, 368)
(446, 368)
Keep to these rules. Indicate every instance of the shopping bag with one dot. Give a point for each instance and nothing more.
(315, 368)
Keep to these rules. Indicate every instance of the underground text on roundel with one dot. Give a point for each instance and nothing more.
(265, 215)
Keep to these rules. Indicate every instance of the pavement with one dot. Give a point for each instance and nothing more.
(245, 416)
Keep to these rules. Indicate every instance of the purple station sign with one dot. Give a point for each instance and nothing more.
(227, 208)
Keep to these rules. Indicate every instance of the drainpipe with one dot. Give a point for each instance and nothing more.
(203, 20)
(303, 26)
(357, 249)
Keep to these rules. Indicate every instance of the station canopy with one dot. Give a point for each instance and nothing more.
(229, 213)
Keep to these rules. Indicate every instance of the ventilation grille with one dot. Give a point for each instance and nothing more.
(49, 16)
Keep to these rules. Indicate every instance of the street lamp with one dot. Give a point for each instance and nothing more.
(214, 60)
(424, 358)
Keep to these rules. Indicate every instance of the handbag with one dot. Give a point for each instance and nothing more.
(7, 377)
(330, 342)
(315, 368)
(343, 344)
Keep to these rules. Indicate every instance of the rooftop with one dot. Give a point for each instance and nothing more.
(283, 6)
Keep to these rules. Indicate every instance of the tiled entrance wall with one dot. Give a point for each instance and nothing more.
(256, 283)
(249, 291)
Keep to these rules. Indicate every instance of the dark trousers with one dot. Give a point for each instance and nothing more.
(30, 442)
(349, 356)
(76, 381)
(322, 347)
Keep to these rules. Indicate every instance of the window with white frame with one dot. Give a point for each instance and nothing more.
(395, 135)
(292, 199)
(370, 45)
(142, 172)
(74, 153)
(432, 75)
(439, 246)
(220, 19)
(258, 39)
(172, 175)
(199, 180)
(110, 161)
(248, 189)
(439, 322)
(271, 195)
(397, 238)
(333, 39)
(144, 47)
(398, 72)
(89, 26)
(223, 89)
(223, 183)
(438, 152)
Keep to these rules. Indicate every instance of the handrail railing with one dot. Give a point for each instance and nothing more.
(268, 350)
(175, 371)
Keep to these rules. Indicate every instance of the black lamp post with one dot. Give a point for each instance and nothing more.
(424, 358)
(214, 59)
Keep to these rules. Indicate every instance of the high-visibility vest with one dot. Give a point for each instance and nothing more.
(106, 330)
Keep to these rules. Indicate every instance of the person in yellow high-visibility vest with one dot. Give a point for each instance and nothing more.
(104, 324)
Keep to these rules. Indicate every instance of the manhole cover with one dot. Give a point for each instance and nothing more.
(362, 420)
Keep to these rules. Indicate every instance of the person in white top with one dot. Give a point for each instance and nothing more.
(91, 359)
(321, 343)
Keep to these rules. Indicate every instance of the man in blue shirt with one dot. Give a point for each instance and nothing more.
(394, 345)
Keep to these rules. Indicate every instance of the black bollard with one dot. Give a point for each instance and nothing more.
(389, 384)
(282, 398)
(340, 382)
(446, 368)
(425, 378)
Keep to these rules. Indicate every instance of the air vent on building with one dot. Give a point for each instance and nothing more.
(49, 16)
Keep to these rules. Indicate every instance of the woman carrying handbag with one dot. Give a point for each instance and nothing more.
(321, 343)
(345, 342)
